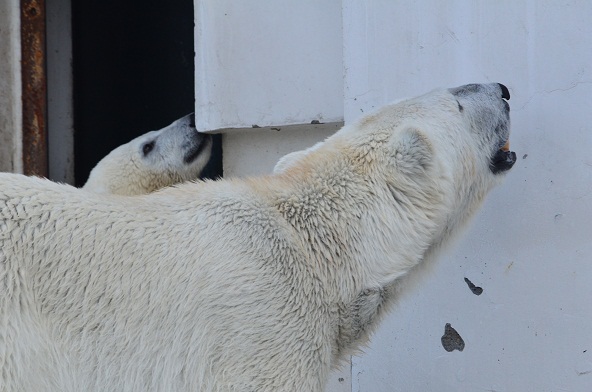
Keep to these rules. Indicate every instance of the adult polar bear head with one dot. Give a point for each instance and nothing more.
(434, 142)
(258, 284)
(500, 162)
(152, 161)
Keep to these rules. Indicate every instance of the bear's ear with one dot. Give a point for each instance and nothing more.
(413, 152)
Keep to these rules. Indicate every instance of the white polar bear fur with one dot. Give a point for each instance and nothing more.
(152, 161)
(237, 285)
(287, 160)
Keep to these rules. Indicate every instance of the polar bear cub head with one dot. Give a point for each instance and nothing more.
(152, 161)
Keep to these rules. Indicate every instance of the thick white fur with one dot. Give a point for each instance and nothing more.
(128, 171)
(286, 161)
(251, 285)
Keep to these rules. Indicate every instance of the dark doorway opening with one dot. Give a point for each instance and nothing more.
(133, 66)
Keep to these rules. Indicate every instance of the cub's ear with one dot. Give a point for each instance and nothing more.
(412, 151)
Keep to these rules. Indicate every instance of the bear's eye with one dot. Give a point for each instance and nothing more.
(460, 108)
(146, 148)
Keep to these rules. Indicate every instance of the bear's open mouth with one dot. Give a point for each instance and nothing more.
(506, 147)
(502, 160)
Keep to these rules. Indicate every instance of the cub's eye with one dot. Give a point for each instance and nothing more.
(146, 148)
(460, 108)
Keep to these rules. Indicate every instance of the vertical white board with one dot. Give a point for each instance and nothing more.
(267, 63)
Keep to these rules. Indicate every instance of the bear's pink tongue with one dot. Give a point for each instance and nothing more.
(506, 146)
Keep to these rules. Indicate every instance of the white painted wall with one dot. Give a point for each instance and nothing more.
(530, 248)
(267, 63)
(10, 87)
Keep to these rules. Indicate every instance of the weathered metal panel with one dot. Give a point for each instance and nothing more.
(60, 115)
(34, 92)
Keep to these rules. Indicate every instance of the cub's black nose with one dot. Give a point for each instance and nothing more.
(505, 91)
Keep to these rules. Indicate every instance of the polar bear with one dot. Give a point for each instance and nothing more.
(256, 284)
(152, 161)
(286, 161)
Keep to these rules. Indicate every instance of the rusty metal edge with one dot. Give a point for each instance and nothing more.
(34, 88)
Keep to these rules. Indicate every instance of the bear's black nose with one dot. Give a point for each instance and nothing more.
(505, 91)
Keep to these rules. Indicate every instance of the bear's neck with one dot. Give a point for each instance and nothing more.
(360, 230)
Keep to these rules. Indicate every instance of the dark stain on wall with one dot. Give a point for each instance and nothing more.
(475, 289)
(451, 340)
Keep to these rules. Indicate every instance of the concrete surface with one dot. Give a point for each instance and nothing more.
(10, 87)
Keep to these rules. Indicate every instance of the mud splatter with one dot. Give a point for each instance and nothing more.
(475, 289)
(451, 339)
